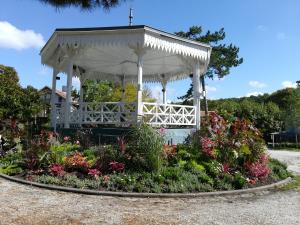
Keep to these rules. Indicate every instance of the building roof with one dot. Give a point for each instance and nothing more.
(58, 92)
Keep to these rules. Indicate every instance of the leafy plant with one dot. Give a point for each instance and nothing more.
(146, 148)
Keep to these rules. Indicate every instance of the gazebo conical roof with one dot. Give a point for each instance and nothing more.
(108, 53)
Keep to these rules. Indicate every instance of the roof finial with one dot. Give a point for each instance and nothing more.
(130, 16)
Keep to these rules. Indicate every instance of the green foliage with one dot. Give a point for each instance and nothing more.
(58, 152)
(145, 148)
(223, 57)
(106, 91)
(16, 102)
(84, 4)
(278, 170)
(12, 163)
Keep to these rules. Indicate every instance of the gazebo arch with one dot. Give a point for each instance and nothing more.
(138, 54)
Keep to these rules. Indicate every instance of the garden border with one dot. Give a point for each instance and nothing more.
(147, 195)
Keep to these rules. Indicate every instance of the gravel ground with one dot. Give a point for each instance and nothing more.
(27, 205)
(292, 159)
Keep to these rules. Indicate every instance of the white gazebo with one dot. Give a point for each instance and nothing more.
(123, 54)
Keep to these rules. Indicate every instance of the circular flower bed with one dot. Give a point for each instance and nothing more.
(224, 155)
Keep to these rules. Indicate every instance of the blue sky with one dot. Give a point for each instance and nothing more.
(267, 32)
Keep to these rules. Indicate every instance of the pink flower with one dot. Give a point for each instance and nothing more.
(77, 142)
(162, 130)
(67, 138)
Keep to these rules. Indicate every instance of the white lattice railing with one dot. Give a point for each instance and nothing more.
(100, 113)
(125, 113)
(167, 114)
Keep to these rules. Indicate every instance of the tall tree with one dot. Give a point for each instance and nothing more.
(17, 102)
(223, 56)
(84, 4)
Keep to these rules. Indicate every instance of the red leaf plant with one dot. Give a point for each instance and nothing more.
(95, 173)
(57, 169)
(76, 161)
(208, 147)
(169, 150)
(258, 169)
(116, 166)
(122, 144)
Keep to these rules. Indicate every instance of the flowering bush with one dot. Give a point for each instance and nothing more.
(237, 145)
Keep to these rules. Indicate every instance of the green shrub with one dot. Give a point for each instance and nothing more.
(11, 169)
(145, 149)
(278, 169)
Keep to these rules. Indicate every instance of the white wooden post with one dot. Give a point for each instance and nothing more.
(197, 93)
(68, 95)
(81, 102)
(53, 95)
(164, 91)
(140, 55)
(123, 88)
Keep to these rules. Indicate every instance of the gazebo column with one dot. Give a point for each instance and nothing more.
(81, 102)
(123, 83)
(68, 95)
(164, 91)
(53, 95)
(197, 93)
(140, 53)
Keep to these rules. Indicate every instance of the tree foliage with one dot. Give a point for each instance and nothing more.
(106, 91)
(223, 56)
(17, 102)
(84, 4)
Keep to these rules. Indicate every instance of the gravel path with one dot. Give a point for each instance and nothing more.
(292, 159)
(25, 205)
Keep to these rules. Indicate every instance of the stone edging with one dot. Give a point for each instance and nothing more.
(147, 195)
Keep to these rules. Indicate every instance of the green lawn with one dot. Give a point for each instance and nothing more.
(293, 184)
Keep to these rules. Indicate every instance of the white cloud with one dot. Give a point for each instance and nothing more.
(255, 93)
(261, 28)
(14, 38)
(281, 36)
(288, 84)
(210, 89)
(257, 84)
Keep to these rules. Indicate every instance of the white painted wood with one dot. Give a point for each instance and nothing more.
(68, 96)
(53, 98)
(164, 91)
(197, 93)
(125, 113)
(140, 53)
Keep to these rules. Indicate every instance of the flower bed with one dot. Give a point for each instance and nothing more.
(225, 155)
